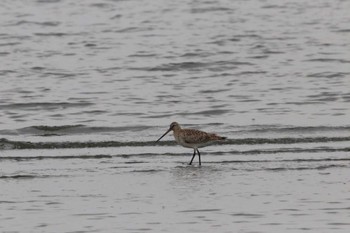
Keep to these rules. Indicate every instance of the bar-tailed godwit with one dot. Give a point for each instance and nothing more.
(192, 138)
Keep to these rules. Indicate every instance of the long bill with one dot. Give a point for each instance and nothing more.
(164, 135)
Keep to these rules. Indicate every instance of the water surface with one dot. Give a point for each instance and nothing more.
(88, 86)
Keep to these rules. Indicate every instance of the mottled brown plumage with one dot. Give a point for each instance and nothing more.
(192, 138)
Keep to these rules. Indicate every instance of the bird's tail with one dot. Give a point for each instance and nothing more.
(217, 137)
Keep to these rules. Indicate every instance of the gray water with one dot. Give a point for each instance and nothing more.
(88, 86)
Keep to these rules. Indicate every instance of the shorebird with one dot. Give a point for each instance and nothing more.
(192, 138)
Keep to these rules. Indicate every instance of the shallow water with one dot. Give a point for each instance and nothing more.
(88, 86)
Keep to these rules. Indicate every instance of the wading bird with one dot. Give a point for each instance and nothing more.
(192, 138)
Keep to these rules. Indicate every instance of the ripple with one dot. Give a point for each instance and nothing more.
(45, 105)
(45, 24)
(328, 60)
(329, 75)
(198, 210)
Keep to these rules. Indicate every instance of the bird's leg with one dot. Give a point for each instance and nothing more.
(199, 157)
(194, 154)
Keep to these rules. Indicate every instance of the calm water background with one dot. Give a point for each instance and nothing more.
(87, 86)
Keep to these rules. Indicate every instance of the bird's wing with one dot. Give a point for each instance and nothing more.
(193, 136)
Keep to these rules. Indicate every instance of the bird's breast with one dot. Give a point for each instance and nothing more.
(181, 141)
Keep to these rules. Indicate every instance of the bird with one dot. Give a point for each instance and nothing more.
(192, 138)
